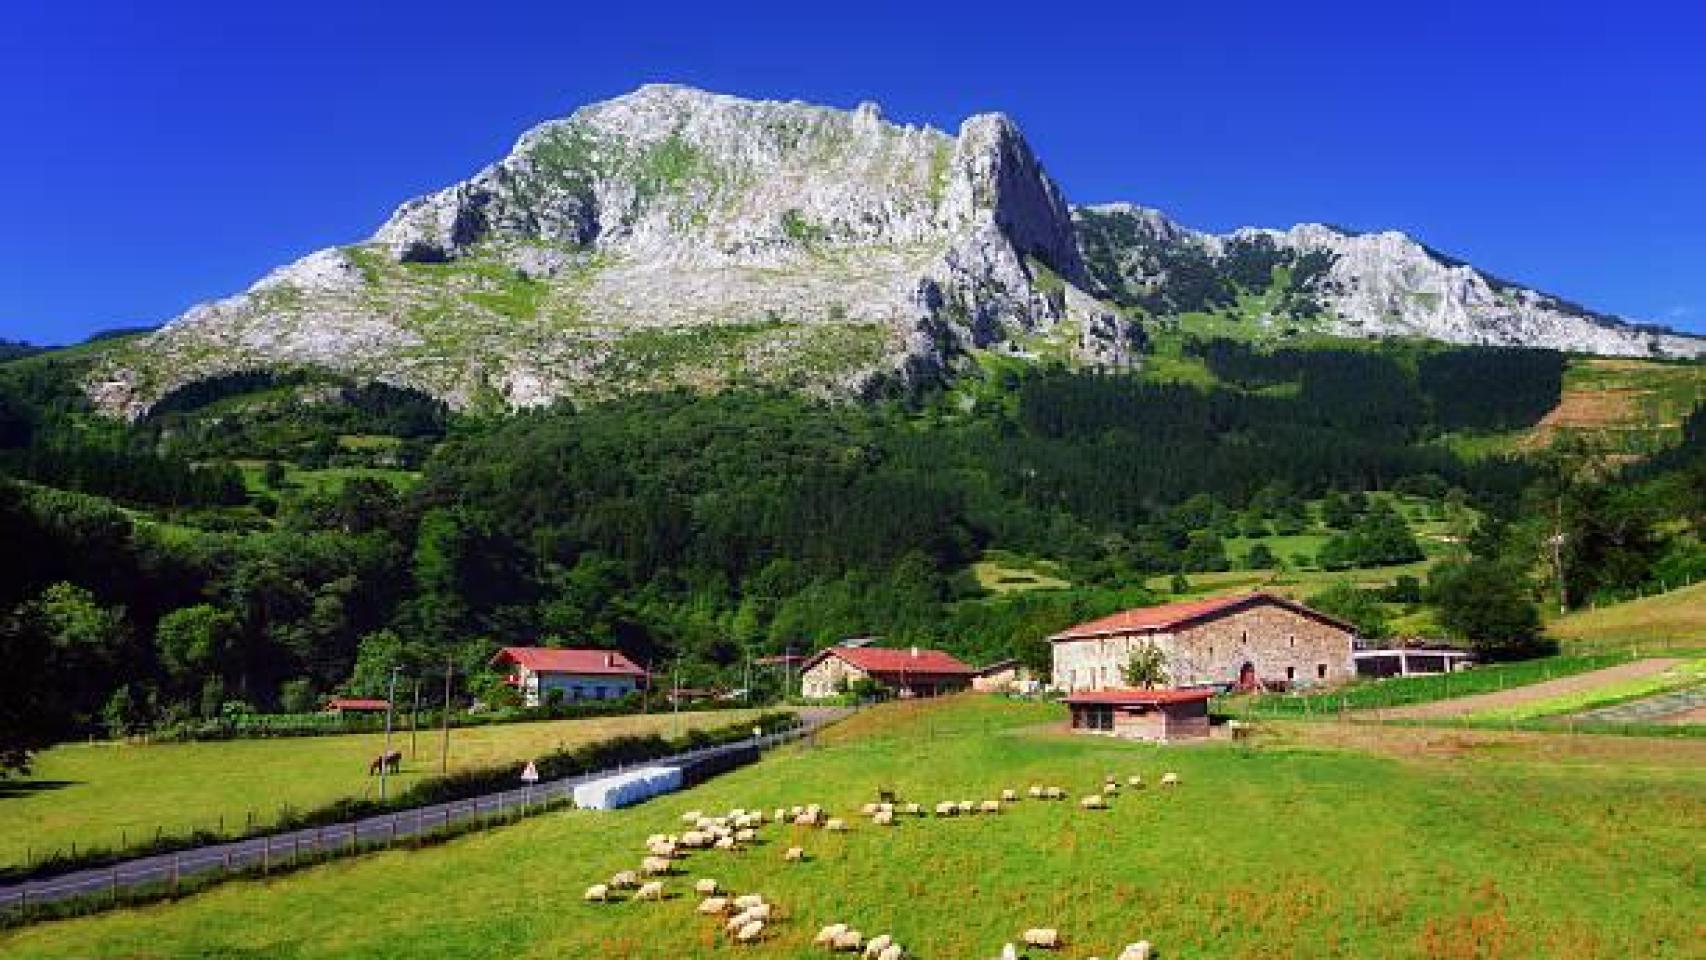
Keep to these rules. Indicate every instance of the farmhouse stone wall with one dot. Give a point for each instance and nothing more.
(1281, 644)
(822, 679)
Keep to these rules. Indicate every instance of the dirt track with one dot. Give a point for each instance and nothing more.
(1518, 696)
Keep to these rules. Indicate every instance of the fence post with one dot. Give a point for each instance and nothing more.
(175, 874)
(112, 885)
(266, 856)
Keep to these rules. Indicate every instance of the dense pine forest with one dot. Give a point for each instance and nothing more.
(260, 541)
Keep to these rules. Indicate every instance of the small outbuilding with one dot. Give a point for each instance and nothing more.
(1000, 676)
(1158, 715)
(342, 705)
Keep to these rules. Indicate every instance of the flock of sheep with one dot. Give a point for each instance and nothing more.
(746, 917)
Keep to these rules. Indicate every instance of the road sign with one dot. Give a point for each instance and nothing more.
(531, 774)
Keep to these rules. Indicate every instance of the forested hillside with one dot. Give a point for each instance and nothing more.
(260, 541)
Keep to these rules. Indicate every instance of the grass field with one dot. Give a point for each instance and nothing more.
(102, 794)
(1395, 844)
(1674, 620)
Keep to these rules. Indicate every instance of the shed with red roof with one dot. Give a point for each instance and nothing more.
(1142, 714)
(578, 674)
(912, 672)
(1249, 641)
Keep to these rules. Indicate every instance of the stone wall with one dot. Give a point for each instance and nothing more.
(1281, 644)
(828, 677)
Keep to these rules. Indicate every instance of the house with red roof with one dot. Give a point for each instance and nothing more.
(912, 672)
(579, 674)
(1246, 641)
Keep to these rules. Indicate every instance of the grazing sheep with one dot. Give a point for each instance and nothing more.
(1169, 779)
(947, 808)
(748, 900)
(725, 843)
(668, 850)
(1112, 786)
(1093, 802)
(967, 806)
(885, 807)
(653, 866)
(746, 835)
(883, 818)
(1043, 938)
(836, 825)
(750, 933)
(1036, 791)
(893, 951)
(705, 886)
(692, 816)
(866, 810)
(807, 819)
(626, 880)
(761, 911)
(650, 890)
(848, 941)
(1135, 780)
(655, 838)
(827, 935)
(876, 945)
(794, 855)
(1141, 950)
(597, 891)
(779, 815)
(989, 806)
(1055, 793)
(713, 906)
(737, 921)
(913, 810)
(1009, 952)
(1010, 796)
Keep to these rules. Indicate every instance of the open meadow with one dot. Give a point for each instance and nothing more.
(1314, 840)
(104, 793)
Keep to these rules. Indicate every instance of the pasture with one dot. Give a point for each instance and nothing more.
(1315, 840)
(1667, 621)
(104, 793)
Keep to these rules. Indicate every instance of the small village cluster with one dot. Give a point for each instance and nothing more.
(748, 918)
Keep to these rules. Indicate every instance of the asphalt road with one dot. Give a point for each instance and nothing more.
(282, 848)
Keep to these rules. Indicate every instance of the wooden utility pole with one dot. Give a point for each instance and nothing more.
(444, 722)
(415, 723)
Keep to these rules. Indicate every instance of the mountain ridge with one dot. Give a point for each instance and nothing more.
(676, 237)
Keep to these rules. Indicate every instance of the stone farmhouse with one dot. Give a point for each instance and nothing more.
(1247, 641)
(912, 672)
(582, 674)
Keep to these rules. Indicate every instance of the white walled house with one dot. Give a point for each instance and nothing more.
(580, 674)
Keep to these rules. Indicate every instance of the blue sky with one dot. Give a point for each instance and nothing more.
(156, 155)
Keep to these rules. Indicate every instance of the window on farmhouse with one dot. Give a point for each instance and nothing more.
(1321, 670)
(1291, 673)
(1292, 640)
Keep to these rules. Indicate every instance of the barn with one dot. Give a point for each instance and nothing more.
(913, 672)
(1245, 641)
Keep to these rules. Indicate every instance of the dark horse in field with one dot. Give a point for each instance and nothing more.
(387, 762)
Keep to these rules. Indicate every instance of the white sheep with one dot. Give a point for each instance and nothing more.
(780, 815)
(848, 941)
(692, 816)
(1112, 786)
(947, 808)
(1043, 938)
(867, 809)
(893, 951)
(967, 806)
(1169, 779)
(712, 906)
(1036, 791)
(877, 945)
(1055, 793)
(625, 880)
(597, 891)
(737, 921)
(1009, 952)
(1135, 780)
(725, 843)
(760, 911)
(883, 818)
(1093, 802)
(650, 890)
(826, 936)
(989, 806)
(748, 900)
(836, 825)
(654, 866)
(705, 886)
(655, 838)
(913, 809)
(807, 819)
(746, 835)
(1009, 796)
(750, 932)
(794, 855)
(1141, 950)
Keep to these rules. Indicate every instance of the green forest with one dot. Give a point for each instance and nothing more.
(262, 540)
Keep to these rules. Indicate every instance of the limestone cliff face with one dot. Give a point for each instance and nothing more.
(1374, 284)
(673, 237)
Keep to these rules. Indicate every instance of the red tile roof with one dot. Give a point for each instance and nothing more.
(1147, 698)
(555, 660)
(356, 703)
(883, 660)
(1167, 616)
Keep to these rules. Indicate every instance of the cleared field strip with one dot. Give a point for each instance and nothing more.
(1673, 707)
(1546, 690)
